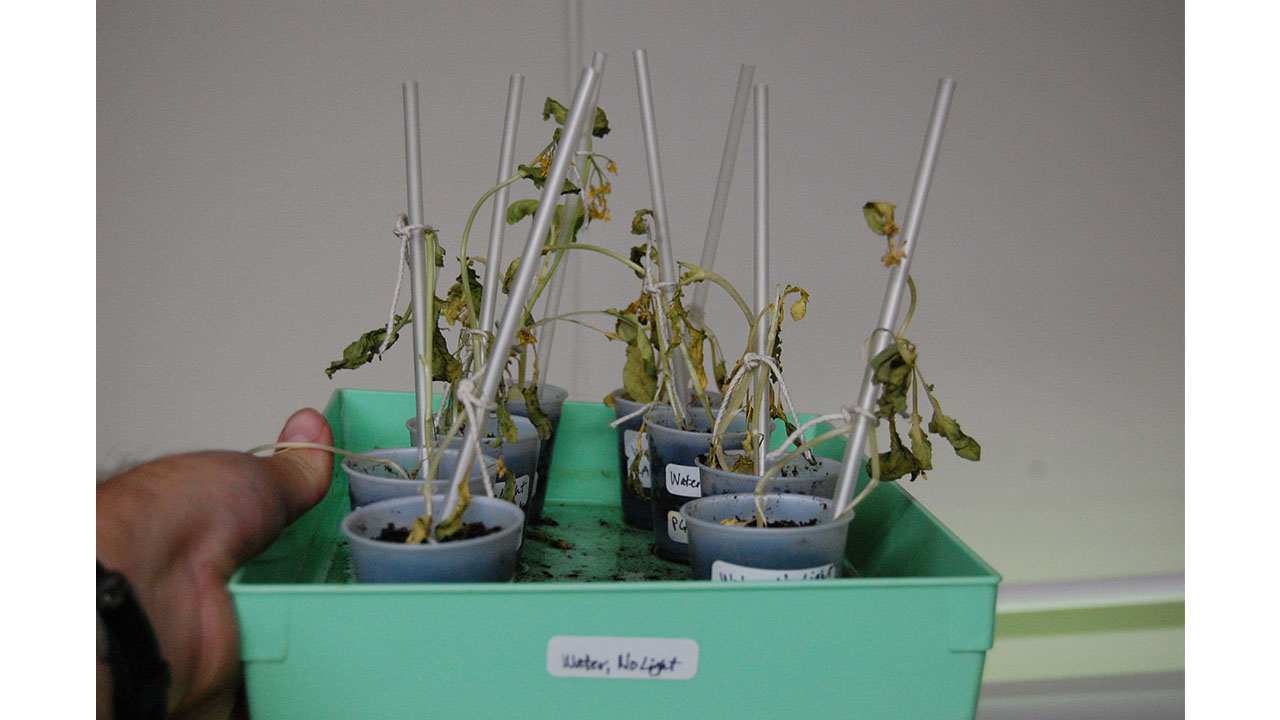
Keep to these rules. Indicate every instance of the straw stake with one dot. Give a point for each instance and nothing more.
(522, 286)
(697, 307)
(854, 452)
(667, 265)
(418, 263)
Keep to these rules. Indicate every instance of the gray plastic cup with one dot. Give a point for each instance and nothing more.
(676, 480)
(724, 552)
(637, 504)
(797, 477)
(490, 558)
(521, 457)
(551, 399)
(637, 499)
(369, 480)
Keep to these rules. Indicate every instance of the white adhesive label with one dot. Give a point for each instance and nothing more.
(727, 571)
(684, 480)
(622, 658)
(523, 489)
(631, 445)
(677, 528)
(524, 486)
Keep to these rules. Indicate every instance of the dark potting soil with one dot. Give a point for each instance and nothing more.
(788, 471)
(396, 534)
(751, 522)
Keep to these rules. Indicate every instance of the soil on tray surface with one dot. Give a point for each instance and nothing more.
(397, 534)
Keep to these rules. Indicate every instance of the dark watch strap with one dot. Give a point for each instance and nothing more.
(139, 673)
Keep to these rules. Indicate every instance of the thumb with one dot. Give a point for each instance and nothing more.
(304, 473)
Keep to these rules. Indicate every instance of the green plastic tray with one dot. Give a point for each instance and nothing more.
(906, 638)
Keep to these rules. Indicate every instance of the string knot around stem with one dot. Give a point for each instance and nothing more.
(404, 231)
(475, 409)
(751, 361)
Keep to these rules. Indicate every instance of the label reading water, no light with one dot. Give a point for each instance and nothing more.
(622, 658)
(727, 571)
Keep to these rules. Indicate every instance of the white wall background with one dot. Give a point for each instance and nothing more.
(250, 168)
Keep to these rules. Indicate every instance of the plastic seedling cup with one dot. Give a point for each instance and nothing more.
(369, 480)
(798, 477)
(637, 505)
(726, 552)
(489, 558)
(520, 457)
(676, 480)
(637, 502)
(551, 399)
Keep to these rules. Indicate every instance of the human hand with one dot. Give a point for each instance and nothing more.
(178, 527)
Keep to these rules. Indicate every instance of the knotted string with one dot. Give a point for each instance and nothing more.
(655, 289)
(474, 409)
(404, 231)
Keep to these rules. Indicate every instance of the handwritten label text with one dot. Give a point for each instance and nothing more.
(622, 657)
(684, 480)
(631, 444)
(727, 571)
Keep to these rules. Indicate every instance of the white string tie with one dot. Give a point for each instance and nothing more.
(657, 289)
(404, 231)
(475, 410)
(751, 361)
(844, 414)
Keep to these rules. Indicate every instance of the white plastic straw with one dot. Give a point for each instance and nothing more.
(555, 290)
(760, 421)
(522, 286)
(497, 226)
(697, 306)
(417, 262)
(667, 265)
(880, 340)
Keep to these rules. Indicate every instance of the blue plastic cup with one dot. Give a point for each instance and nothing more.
(370, 480)
(551, 399)
(637, 503)
(730, 553)
(489, 558)
(520, 457)
(798, 477)
(673, 453)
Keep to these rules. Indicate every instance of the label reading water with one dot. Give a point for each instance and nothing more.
(684, 480)
(727, 571)
(631, 445)
(677, 528)
(622, 658)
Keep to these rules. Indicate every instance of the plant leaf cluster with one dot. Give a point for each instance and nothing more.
(896, 369)
(460, 305)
